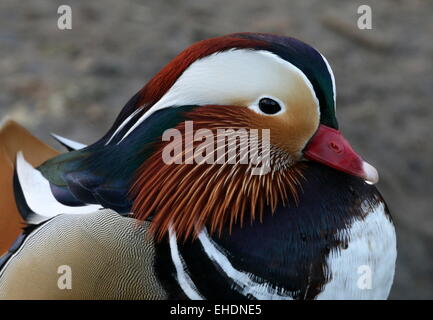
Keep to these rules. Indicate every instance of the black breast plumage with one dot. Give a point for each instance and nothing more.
(287, 251)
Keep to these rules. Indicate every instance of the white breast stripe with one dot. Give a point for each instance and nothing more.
(183, 278)
(371, 251)
(248, 284)
(37, 192)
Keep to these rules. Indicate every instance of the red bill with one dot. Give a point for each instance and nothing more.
(328, 146)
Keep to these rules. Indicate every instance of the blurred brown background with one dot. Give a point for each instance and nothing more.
(74, 82)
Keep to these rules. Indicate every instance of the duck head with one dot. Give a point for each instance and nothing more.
(241, 80)
(244, 80)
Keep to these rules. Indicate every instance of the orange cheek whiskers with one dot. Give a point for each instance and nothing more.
(188, 197)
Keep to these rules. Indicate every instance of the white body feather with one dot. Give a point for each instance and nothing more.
(38, 196)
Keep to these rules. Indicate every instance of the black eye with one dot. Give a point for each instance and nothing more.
(269, 106)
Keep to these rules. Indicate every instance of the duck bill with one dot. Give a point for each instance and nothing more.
(328, 146)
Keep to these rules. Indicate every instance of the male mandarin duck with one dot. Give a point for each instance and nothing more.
(131, 226)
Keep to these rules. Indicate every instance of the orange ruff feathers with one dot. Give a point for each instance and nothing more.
(188, 197)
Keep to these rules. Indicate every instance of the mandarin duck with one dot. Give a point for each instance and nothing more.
(130, 225)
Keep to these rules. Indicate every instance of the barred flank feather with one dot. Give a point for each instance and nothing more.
(190, 196)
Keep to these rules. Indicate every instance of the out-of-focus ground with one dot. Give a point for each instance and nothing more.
(74, 82)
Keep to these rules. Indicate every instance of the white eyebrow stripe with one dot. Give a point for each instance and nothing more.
(204, 81)
(124, 123)
(334, 90)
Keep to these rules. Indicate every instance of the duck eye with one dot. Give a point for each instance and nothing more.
(269, 106)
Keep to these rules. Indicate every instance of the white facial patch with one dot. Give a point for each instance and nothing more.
(234, 77)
